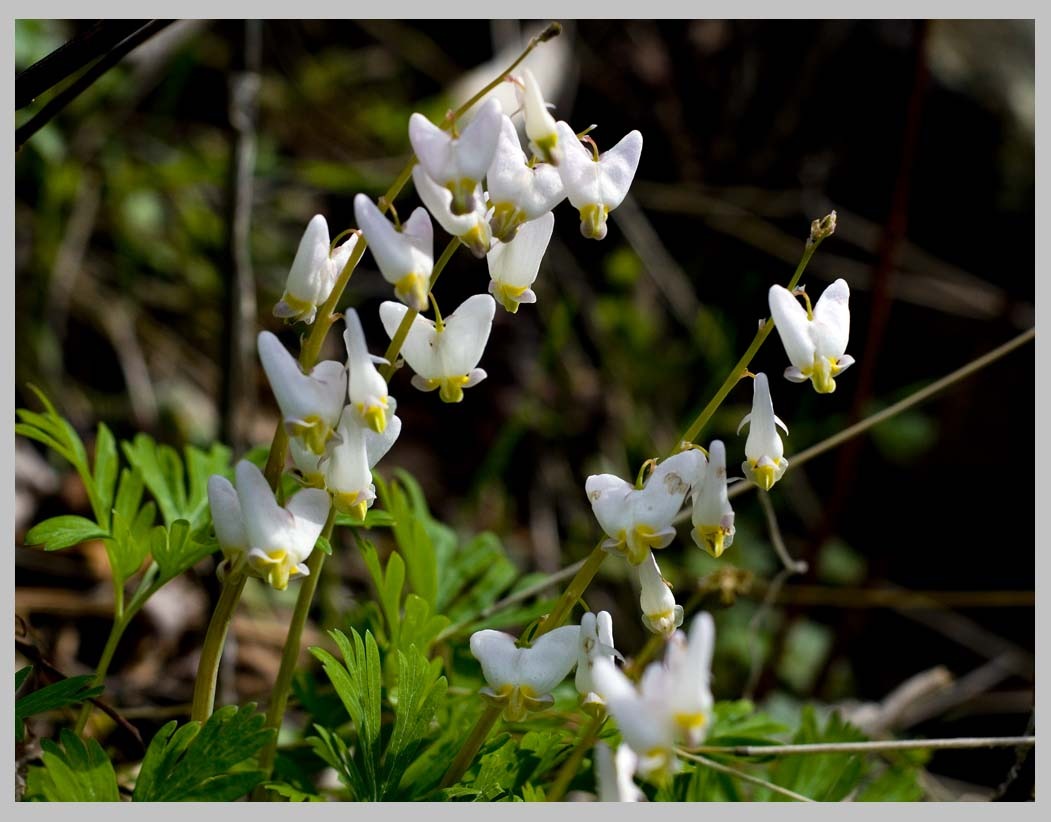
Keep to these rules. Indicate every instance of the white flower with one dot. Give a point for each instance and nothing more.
(713, 518)
(252, 528)
(445, 357)
(350, 459)
(406, 257)
(660, 613)
(457, 163)
(514, 266)
(814, 341)
(596, 640)
(765, 463)
(471, 228)
(613, 774)
(597, 186)
(673, 703)
(639, 519)
(540, 126)
(522, 679)
(314, 272)
(307, 463)
(517, 192)
(366, 388)
(310, 403)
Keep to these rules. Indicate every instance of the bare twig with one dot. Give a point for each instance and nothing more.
(875, 746)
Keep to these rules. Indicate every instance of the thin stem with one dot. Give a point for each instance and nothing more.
(869, 747)
(470, 748)
(116, 631)
(212, 650)
(902, 405)
(745, 777)
(398, 340)
(571, 766)
(574, 591)
(741, 368)
(793, 566)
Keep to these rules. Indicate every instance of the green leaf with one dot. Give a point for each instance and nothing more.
(389, 583)
(67, 691)
(175, 550)
(78, 771)
(129, 494)
(292, 794)
(410, 533)
(215, 762)
(21, 675)
(324, 546)
(374, 518)
(421, 690)
(106, 464)
(64, 531)
(824, 777)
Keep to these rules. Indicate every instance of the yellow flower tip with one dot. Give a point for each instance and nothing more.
(313, 432)
(593, 221)
(375, 416)
(505, 221)
(691, 724)
(412, 290)
(463, 196)
(353, 505)
(712, 538)
(450, 389)
(274, 568)
(764, 475)
(292, 307)
(509, 296)
(546, 148)
(477, 240)
(662, 623)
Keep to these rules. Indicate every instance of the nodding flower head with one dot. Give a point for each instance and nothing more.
(471, 229)
(518, 191)
(366, 388)
(405, 257)
(765, 463)
(458, 163)
(521, 679)
(596, 640)
(637, 520)
(445, 358)
(314, 272)
(597, 185)
(513, 266)
(540, 126)
(259, 536)
(660, 613)
(713, 518)
(816, 340)
(352, 454)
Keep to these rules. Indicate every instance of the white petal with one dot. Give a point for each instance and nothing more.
(347, 469)
(550, 659)
(438, 200)
(517, 263)
(432, 145)
(306, 278)
(763, 439)
(539, 124)
(712, 505)
(832, 320)
(226, 514)
(661, 498)
(642, 728)
(614, 775)
(609, 496)
(301, 395)
(792, 324)
(365, 385)
(377, 445)
(268, 526)
(497, 653)
(578, 169)
(310, 508)
(397, 253)
(419, 348)
(477, 143)
(535, 191)
(618, 168)
(461, 343)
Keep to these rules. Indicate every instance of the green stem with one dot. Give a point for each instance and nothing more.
(741, 367)
(470, 748)
(574, 591)
(212, 650)
(571, 766)
(115, 634)
(398, 340)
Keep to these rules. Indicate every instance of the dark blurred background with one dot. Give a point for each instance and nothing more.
(919, 135)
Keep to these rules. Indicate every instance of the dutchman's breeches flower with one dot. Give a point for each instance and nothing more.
(765, 463)
(713, 517)
(519, 192)
(351, 457)
(405, 257)
(513, 266)
(366, 388)
(637, 520)
(660, 613)
(688, 662)
(258, 535)
(596, 640)
(458, 163)
(314, 272)
(597, 185)
(445, 356)
(614, 774)
(471, 229)
(521, 679)
(815, 341)
(540, 126)
(310, 403)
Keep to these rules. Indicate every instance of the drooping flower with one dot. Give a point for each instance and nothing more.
(351, 458)
(596, 640)
(406, 257)
(366, 388)
(713, 517)
(815, 341)
(457, 163)
(310, 403)
(471, 228)
(597, 185)
(269, 541)
(314, 271)
(614, 774)
(518, 192)
(765, 463)
(660, 613)
(540, 126)
(445, 357)
(521, 679)
(513, 266)
(637, 520)
(672, 704)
